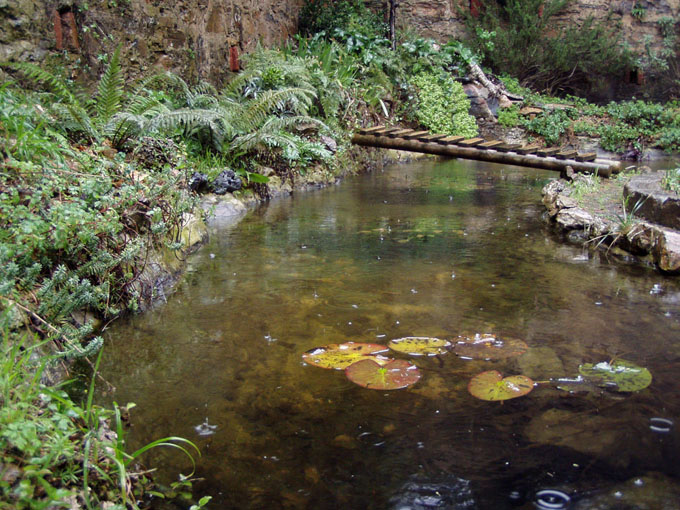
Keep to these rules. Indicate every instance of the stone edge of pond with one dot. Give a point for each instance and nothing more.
(642, 242)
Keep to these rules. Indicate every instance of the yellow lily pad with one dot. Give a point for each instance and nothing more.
(340, 356)
(420, 345)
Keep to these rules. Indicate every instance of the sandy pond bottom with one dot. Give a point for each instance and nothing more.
(427, 249)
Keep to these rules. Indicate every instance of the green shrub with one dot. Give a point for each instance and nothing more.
(670, 139)
(442, 105)
(550, 125)
(532, 48)
(328, 15)
(509, 117)
(619, 137)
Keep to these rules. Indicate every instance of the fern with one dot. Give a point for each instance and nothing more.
(110, 90)
(58, 87)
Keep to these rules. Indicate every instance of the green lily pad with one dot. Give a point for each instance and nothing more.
(488, 347)
(420, 345)
(394, 375)
(492, 386)
(340, 356)
(621, 375)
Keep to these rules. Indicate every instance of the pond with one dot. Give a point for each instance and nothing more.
(430, 248)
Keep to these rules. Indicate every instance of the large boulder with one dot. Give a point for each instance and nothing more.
(646, 197)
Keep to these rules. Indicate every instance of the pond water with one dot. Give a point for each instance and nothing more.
(426, 249)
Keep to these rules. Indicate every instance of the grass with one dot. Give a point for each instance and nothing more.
(57, 453)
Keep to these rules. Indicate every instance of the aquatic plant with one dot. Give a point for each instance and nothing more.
(618, 375)
(489, 347)
(492, 386)
(420, 346)
(340, 356)
(394, 375)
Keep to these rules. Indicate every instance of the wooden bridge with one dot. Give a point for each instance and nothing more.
(494, 151)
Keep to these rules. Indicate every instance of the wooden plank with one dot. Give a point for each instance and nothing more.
(508, 147)
(451, 140)
(415, 135)
(431, 138)
(400, 133)
(386, 131)
(548, 151)
(600, 167)
(470, 142)
(567, 154)
(370, 131)
(492, 144)
(528, 149)
(588, 156)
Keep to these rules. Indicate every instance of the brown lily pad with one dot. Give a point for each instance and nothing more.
(340, 356)
(395, 375)
(489, 347)
(420, 345)
(492, 386)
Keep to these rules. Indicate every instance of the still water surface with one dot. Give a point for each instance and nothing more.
(426, 249)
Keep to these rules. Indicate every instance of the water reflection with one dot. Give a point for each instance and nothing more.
(428, 249)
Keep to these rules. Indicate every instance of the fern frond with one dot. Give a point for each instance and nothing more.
(256, 112)
(142, 103)
(110, 90)
(77, 119)
(123, 126)
(56, 84)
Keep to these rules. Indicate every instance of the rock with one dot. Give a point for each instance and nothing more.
(651, 491)
(644, 195)
(226, 182)
(541, 363)
(154, 153)
(198, 182)
(589, 434)
(223, 210)
(667, 251)
(421, 493)
(551, 192)
(567, 173)
(639, 239)
(574, 218)
(479, 107)
(330, 144)
(505, 102)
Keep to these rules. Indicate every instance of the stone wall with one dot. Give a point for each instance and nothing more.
(194, 37)
(440, 19)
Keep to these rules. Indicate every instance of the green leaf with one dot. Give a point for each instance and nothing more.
(420, 346)
(340, 356)
(492, 386)
(489, 347)
(621, 375)
(395, 375)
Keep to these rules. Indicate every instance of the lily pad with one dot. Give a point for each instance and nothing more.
(340, 356)
(489, 346)
(394, 375)
(420, 345)
(492, 386)
(621, 375)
